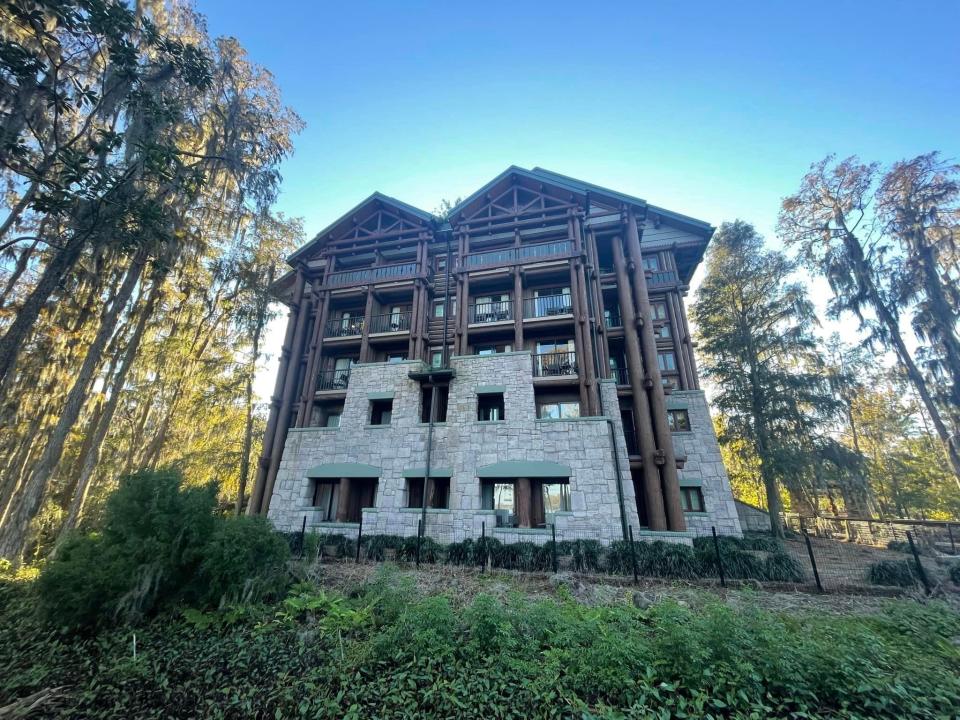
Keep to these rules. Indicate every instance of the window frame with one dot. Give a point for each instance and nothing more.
(499, 406)
(695, 494)
(673, 414)
(377, 408)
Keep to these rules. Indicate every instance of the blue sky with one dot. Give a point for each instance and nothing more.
(711, 109)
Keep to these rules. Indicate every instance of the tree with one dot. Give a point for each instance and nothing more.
(753, 327)
(830, 221)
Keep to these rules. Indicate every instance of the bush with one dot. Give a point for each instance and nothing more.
(899, 546)
(781, 567)
(954, 573)
(892, 572)
(161, 544)
(244, 561)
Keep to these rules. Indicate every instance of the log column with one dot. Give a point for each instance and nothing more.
(457, 327)
(592, 279)
(658, 402)
(256, 495)
(463, 309)
(292, 370)
(517, 308)
(365, 332)
(343, 502)
(322, 303)
(521, 502)
(652, 494)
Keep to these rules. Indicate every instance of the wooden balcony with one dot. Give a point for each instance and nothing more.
(518, 255)
(333, 379)
(367, 276)
(491, 312)
(547, 306)
(390, 322)
(555, 364)
(343, 327)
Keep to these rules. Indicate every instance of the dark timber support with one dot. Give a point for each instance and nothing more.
(365, 336)
(291, 365)
(658, 402)
(652, 494)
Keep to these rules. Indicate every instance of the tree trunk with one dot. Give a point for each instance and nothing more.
(18, 332)
(248, 427)
(14, 532)
(99, 434)
(892, 326)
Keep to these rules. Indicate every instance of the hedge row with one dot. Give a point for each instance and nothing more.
(654, 559)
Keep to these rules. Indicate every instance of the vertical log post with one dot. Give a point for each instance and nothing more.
(658, 403)
(255, 505)
(652, 493)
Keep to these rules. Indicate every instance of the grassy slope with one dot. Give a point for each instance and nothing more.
(382, 650)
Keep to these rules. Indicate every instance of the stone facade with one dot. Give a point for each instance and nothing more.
(463, 444)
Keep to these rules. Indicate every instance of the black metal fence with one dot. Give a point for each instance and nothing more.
(802, 560)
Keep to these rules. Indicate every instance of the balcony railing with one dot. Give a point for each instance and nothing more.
(333, 379)
(611, 318)
(620, 375)
(490, 312)
(554, 364)
(370, 275)
(514, 255)
(547, 306)
(343, 327)
(391, 322)
(662, 277)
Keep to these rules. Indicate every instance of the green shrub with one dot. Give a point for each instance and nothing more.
(244, 561)
(901, 573)
(899, 546)
(762, 542)
(161, 544)
(373, 546)
(586, 554)
(781, 567)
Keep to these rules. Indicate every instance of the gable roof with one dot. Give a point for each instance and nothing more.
(375, 197)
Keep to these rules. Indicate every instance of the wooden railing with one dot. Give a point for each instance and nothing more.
(382, 273)
(515, 255)
(662, 277)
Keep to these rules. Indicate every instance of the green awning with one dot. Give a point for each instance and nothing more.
(386, 395)
(491, 389)
(524, 468)
(690, 482)
(343, 470)
(419, 472)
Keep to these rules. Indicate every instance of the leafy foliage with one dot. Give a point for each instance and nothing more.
(901, 573)
(161, 544)
(384, 653)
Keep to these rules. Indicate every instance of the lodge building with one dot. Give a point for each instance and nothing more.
(525, 363)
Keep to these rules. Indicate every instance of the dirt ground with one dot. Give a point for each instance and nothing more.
(462, 584)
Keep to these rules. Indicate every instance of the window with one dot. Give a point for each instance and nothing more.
(381, 412)
(426, 396)
(678, 420)
(499, 497)
(556, 497)
(667, 361)
(438, 307)
(439, 493)
(326, 497)
(659, 310)
(651, 262)
(491, 308)
(691, 499)
(663, 332)
(333, 420)
(558, 410)
(396, 357)
(493, 349)
(611, 317)
(442, 262)
(490, 407)
(436, 356)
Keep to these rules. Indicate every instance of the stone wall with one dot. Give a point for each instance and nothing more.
(753, 518)
(704, 467)
(464, 444)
